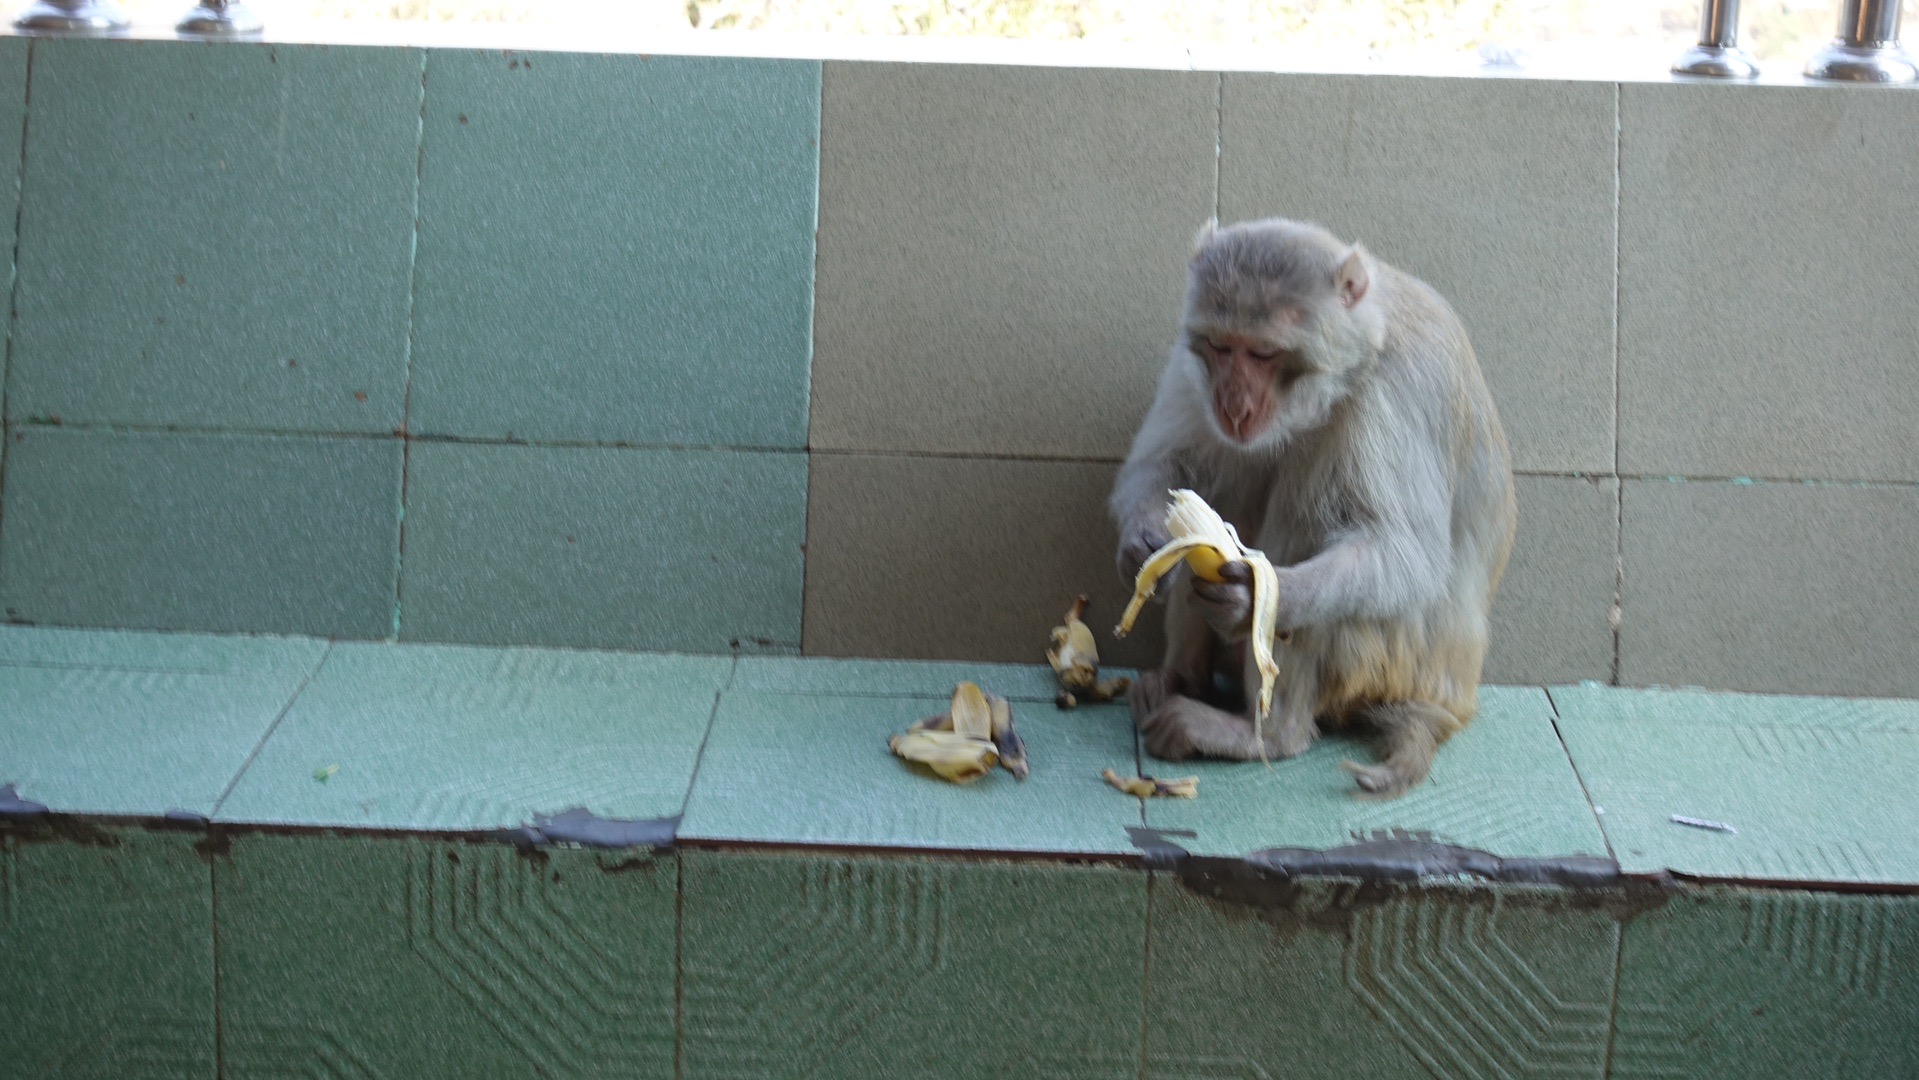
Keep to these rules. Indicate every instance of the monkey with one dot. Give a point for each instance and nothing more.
(1331, 408)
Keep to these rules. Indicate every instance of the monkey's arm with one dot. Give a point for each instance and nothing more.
(1156, 464)
(1394, 561)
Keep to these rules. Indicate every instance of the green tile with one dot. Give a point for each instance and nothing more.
(682, 550)
(13, 117)
(106, 945)
(217, 235)
(446, 737)
(244, 533)
(1341, 982)
(1503, 785)
(358, 957)
(811, 769)
(876, 967)
(1812, 785)
(616, 248)
(102, 722)
(896, 678)
(1773, 985)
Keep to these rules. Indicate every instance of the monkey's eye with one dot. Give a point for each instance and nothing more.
(1265, 357)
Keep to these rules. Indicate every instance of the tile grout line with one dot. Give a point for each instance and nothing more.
(1584, 792)
(679, 966)
(712, 717)
(812, 344)
(1219, 133)
(325, 654)
(13, 274)
(1612, 1012)
(1616, 615)
(406, 396)
(219, 1028)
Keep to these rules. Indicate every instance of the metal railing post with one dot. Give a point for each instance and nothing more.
(220, 18)
(1718, 54)
(72, 17)
(1867, 48)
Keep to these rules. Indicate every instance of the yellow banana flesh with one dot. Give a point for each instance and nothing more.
(959, 758)
(1206, 542)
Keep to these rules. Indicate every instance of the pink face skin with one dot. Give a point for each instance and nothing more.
(1246, 375)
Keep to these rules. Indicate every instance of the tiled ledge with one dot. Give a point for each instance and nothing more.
(790, 751)
(330, 896)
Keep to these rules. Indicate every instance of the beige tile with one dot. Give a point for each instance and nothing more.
(960, 558)
(1769, 257)
(1792, 588)
(1550, 621)
(1498, 192)
(1002, 253)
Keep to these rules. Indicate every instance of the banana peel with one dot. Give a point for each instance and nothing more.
(1206, 542)
(1075, 661)
(1150, 787)
(963, 743)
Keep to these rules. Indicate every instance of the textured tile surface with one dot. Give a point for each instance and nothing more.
(616, 248)
(893, 678)
(1726, 983)
(1503, 785)
(1506, 983)
(689, 550)
(1815, 786)
(217, 235)
(962, 558)
(103, 722)
(201, 532)
(811, 966)
(446, 737)
(1550, 620)
(1787, 588)
(1003, 253)
(107, 946)
(1498, 192)
(361, 957)
(809, 769)
(1760, 227)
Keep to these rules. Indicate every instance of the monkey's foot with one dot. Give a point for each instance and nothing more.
(1382, 781)
(1291, 740)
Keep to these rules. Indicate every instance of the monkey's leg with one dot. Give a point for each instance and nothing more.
(1409, 734)
(1175, 726)
(1291, 727)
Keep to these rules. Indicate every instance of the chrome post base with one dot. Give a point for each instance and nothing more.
(72, 17)
(220, 18)
(1839, 62)
(1717, 62)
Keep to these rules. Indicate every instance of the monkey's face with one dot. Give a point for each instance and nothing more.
(1249, 377)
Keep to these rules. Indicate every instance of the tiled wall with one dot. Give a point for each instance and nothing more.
(702, 354)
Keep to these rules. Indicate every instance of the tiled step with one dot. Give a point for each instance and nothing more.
(333, 896)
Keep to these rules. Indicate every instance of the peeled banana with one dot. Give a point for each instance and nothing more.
(1208, 542)
(963, 743)
(1148, 787)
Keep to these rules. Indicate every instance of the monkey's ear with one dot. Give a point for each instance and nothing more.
(1353, 279)
(1204, 235)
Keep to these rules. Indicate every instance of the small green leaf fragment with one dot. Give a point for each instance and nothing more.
(323, 772)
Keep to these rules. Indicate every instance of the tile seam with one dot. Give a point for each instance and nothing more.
(679, 966)
(111, 427)
(1584, 792)
(712, 718)
(1616, 615)
(13, 277)
(406, 395)
(1219, 134)
(219, 1018)
(1612, 1013)
(271, 728)
(1146, 976)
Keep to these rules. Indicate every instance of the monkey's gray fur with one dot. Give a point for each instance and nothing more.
(1365, 458)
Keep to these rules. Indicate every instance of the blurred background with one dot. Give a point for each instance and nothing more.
(1632, 30)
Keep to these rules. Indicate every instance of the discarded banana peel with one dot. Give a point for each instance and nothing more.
(1075, 660)
(963, 743)
(959, 758)
(1149, 787)
(1207, 542)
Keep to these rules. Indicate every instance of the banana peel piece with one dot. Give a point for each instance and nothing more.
(1012, 749)
(971, 714)
(1149, 787)
(951, 755)
(1075, 655)
(1206, 542)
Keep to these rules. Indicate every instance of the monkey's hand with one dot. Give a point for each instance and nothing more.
(1138, 544)
(1227, 605)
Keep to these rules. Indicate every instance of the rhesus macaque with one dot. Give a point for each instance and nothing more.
(1330, 407)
